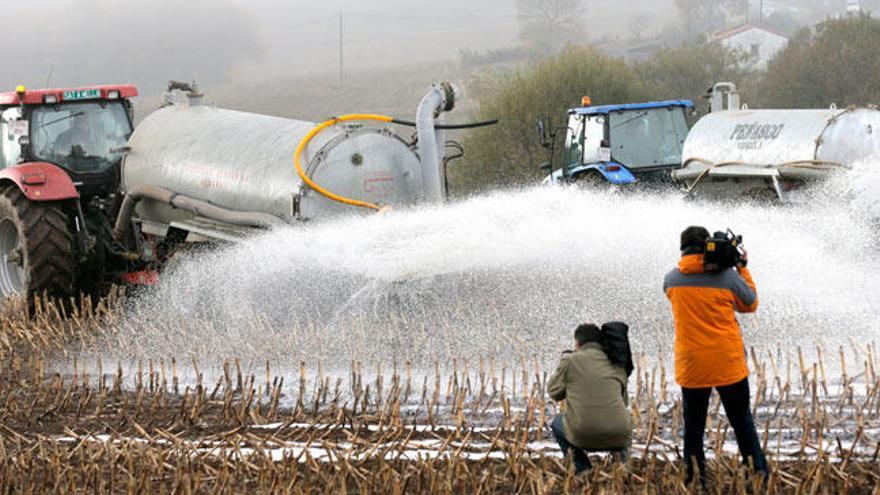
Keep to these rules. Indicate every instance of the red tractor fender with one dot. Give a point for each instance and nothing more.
(40, 181)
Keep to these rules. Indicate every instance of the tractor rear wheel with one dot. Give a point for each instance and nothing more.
(36, 247)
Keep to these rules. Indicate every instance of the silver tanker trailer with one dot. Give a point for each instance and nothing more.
(737, 152)
(207, 172)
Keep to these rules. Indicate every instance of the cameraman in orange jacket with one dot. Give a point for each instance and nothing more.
(709, 351)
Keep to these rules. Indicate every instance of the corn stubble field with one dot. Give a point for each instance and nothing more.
(479, 427)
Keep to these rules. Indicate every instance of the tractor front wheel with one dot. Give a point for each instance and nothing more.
(36, 247)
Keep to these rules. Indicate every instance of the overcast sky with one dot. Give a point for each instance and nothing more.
(149, 41)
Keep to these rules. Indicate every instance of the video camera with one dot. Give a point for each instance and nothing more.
(723, 251)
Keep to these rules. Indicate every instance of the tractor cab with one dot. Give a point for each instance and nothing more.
(84, 132)
(60, 158)
(622, 144)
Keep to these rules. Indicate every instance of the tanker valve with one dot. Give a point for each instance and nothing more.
(191, 88)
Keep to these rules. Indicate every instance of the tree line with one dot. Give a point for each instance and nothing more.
(833, 62)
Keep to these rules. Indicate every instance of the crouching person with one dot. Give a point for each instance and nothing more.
(593, 382)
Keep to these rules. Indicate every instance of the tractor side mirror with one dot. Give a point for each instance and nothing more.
(547, 135)
(542, 133)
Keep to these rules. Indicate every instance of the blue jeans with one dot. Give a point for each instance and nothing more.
(735, 399)
(579, 455)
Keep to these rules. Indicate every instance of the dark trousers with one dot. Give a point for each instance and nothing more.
(579, 455)
(735, 399)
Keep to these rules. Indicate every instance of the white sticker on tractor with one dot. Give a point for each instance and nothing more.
(19, 128)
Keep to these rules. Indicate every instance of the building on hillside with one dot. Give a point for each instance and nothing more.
(643, 50)
(853, 7)
(760, 42)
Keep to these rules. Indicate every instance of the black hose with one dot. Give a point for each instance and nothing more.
(471, 125)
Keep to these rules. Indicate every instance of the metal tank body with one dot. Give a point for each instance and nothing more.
(777, 137)
(217, 173)
(244, 162)
(760, 147)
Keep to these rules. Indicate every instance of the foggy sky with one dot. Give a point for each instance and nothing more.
(80, 42)
(147, 42)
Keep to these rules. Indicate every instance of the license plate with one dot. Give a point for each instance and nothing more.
(82, 94)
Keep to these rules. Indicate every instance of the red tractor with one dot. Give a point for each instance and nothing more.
(60, 156)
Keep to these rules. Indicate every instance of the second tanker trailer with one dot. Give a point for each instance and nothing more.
(735, 151)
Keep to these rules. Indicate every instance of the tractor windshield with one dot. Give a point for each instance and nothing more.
(82, 137)
(649, 137)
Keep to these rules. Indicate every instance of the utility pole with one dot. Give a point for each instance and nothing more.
(49, 77)
(341, 72)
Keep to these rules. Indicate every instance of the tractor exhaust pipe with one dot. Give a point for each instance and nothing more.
(431, 142)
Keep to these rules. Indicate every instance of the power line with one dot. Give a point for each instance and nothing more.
(438, 17)
(392, 16)
(113, 54)
(307, 22)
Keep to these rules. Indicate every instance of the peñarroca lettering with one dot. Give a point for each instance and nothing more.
(756, 131)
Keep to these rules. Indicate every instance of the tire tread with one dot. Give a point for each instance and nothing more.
(48, 244)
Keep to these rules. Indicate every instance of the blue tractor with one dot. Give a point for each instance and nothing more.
(619, 144)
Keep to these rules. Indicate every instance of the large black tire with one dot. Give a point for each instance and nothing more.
(36, 247)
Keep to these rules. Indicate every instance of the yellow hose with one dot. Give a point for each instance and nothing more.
(314, 132)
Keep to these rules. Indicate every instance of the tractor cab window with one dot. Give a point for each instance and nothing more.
(574, 142)
(648, 137)
(10, 130)
(594, 139)
(82, 137)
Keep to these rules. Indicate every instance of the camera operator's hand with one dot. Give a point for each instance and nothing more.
(744, 258)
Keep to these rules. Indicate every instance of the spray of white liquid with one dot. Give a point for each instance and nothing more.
(504, 275)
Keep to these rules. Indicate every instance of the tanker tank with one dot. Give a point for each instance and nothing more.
(737, 152)
(215, 172)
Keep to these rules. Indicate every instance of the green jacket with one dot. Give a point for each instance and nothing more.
(597, 415)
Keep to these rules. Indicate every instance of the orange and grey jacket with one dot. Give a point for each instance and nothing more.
(709, 351)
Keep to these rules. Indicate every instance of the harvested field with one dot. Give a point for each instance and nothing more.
(462, 427)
